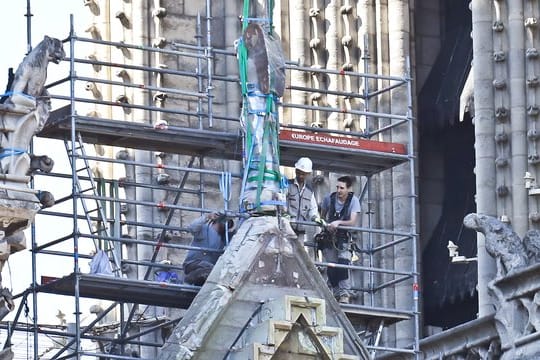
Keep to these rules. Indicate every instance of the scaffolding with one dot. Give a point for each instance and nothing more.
(91, 207)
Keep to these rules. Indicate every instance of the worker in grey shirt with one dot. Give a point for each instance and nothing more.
(209, 233)
(301, 203)
(339, 208)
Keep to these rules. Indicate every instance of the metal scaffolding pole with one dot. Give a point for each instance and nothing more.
(207, 86)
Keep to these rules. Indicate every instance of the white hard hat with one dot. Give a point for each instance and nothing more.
(304, 164)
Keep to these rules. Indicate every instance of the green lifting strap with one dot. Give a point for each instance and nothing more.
(245, 15)
(242, 51)
(270, 175)
(271, 128)
(275, 144)
(270, 109)
(262, 165)
(270, 7)
(270, 13)
(249, 131)
(242, 66)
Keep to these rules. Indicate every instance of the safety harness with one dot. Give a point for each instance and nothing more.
(344, 214)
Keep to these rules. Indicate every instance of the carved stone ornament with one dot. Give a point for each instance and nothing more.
(516, 287)
(23, 114)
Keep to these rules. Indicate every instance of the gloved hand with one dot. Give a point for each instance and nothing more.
(211, 217)
(319, 221)
(220, 216)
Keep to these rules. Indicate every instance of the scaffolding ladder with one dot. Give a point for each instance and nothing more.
(93, 208)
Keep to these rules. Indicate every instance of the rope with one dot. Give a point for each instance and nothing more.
(225, 186)
(261, 20)
(5, 152)
(10, 93)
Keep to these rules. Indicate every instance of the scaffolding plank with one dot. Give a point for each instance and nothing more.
(178, 295)
(341, 154)
(359, 314)
(177, 140)
(123, 290)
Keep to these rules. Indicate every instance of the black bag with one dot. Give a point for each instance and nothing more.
(325, 240)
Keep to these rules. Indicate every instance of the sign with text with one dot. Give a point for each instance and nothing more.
(348, 142)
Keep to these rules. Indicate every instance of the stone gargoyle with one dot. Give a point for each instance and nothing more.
(26, 108)
(503, 244)
(23, 113)
(31, 74)
(514, 317)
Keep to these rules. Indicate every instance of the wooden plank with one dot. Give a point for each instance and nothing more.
(329, 152)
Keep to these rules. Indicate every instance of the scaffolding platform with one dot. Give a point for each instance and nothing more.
(146, 80)
(337, 153)
(359, 314)
(179, 296)
(122, 290)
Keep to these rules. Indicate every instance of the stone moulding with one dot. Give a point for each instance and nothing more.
(475, 336)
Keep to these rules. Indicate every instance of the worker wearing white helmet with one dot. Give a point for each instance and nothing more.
(304, 165)
(301, 202)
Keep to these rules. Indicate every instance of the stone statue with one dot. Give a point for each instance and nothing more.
(262, 69)
(31, 74)
(502, 243)
(531, 242)
(26, 109)
(517, 314)
(23, 113)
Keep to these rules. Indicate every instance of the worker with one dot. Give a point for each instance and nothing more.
(339, 208)
(301, 202)
(209, 233)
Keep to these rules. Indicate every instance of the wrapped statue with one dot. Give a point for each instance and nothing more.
(262, 77)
